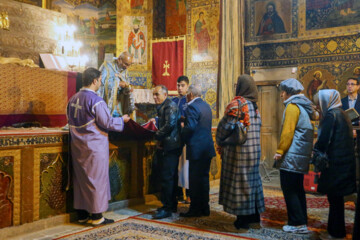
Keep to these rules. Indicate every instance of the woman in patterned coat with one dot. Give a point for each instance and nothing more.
(241, 191)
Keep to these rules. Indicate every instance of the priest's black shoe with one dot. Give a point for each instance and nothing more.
(191, 213)
(162, 213)
(102, 221)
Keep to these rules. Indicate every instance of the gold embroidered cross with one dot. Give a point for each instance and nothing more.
(77, 107)
(166, 66)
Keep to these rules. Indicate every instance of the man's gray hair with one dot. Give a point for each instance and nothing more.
(163, 88)
(195, 90)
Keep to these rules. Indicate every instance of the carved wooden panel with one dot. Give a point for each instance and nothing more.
(9, 188)
(50, 179)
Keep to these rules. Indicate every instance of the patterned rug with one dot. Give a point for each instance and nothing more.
(132, 228)
(219, 225)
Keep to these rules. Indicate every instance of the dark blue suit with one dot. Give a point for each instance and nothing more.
(199, 150)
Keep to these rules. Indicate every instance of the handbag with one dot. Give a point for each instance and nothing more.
(238, 132)
(320, 161)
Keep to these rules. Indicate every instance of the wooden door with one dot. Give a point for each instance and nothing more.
(271, 110)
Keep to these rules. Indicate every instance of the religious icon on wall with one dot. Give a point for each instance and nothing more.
(316, 80)
(175, 17)
(201, 35)
(135, 38)
(331, 13)
(272, 17)
(271, 22)
(204, 27)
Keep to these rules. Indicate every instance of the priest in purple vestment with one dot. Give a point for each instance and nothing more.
(89, 122)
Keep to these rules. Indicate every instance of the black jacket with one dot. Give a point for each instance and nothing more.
(336, 139)
(169, 125)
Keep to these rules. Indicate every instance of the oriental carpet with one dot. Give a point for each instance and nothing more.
(219, 225)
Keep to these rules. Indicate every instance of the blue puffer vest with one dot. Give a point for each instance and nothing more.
(297, 158)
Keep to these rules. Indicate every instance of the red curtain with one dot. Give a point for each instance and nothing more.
(167, 63)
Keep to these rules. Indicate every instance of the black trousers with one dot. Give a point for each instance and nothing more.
(293, 189)
(169, 178)
(199, 185)
(336, 219)
(356, 234)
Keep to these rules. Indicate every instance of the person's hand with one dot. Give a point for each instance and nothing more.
(122, 84)
(277, 156)
(152, 120)
(126, 118)
(182, 124)
(354, 134)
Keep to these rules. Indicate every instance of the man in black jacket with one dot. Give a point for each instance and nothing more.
(169, 149)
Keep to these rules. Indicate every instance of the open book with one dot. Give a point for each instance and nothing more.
(352, 113)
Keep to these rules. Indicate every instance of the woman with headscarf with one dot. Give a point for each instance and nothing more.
(294, 152)
(335, 138)
(241, 191)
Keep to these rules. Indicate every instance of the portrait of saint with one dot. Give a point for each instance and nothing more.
(202, 35)
(314, 85)
(136, 42)
(271, 22)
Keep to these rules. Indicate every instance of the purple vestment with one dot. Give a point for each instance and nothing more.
(89, 120)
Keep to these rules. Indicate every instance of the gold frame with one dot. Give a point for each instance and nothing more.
(171, 39)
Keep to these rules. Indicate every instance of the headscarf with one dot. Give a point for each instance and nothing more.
(291, 86)
(329, 99)
(246, 88)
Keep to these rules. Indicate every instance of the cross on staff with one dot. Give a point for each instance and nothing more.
(77, 107)
(166, 66)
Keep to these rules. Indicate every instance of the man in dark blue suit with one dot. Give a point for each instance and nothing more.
(352, 100)
(200, 150)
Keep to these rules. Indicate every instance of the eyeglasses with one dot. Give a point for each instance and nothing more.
(351, 84)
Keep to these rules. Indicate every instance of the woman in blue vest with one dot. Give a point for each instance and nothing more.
(294, 152)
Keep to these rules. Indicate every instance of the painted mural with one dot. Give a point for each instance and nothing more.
(271, 21)
(175, 17)
(316, 80)
(203, 44)
(331, 13)
(135, 38)
(133, 33)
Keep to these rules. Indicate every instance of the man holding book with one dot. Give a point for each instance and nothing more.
(352, 100)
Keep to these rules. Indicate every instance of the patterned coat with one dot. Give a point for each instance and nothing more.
(240, 183)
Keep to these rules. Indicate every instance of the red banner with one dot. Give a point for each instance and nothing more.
(167, 63)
